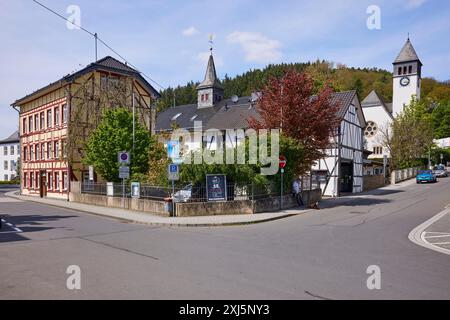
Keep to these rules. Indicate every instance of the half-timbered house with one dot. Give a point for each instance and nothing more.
(55, 121)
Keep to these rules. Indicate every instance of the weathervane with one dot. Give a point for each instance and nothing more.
(211, 42)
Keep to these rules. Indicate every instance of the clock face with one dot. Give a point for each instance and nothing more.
(404, 81)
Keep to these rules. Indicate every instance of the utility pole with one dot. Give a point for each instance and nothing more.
(96, 38)
(134, 118)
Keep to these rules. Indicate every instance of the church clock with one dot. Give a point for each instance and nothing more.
(404, 81)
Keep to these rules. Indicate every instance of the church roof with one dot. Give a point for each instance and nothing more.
(407, 53)
(373, 99)
(210, 76)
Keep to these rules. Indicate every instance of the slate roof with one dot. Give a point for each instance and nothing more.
(11, 139)
(210, 79)
(407, 53)
(107, 63)
(229, 115)
(373, 99)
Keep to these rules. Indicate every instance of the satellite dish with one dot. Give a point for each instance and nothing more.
(234, 98)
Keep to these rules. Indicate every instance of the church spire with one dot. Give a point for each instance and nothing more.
(210, 79)
(210, 90)
(408, 53)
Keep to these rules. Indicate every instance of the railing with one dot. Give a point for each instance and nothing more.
(182, 193)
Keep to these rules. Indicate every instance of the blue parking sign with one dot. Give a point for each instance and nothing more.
(173, 172)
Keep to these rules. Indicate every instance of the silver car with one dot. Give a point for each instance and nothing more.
(440, 171)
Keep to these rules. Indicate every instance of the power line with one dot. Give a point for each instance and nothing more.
(100, 40)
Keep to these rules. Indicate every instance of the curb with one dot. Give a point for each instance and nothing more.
(12, 194)
(416, 235)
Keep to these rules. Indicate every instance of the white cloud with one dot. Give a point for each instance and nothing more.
(190, 31)
(257, 47)
(412, 4)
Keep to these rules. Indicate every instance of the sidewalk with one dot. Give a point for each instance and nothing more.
(201, 221)
(146, 218)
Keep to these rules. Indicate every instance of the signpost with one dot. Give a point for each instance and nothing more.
(123, 158)
(282, 163)
(216, 187)
(173, 174)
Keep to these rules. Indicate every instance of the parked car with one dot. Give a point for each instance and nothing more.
(425, 176)
(190, 193)
(440, 171)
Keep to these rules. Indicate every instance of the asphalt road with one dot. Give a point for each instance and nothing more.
(323, 254)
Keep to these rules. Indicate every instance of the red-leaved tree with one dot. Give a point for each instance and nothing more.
(288, 103)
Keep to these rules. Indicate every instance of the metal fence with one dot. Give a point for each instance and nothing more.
(182, 193)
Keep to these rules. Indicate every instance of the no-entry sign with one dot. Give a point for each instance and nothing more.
(282, 162)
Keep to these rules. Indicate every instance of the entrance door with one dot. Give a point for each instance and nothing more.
(43, 184)
(346, 177)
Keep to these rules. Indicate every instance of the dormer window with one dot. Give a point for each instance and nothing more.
(176, 116)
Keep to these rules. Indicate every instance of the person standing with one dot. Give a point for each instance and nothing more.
(297, 191)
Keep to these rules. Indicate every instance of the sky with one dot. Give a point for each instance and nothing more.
(168, 39)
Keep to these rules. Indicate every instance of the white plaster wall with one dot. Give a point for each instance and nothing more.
(380, 116)
(402, 95)
(8, 158)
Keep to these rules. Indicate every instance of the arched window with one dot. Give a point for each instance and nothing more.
(404, 70)
(399, 70)
(410, 69)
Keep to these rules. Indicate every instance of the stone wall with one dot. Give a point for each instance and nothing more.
(244, 206)
(404, 174)
(213, 208)
(193, 208)
(143, 205)
(373, 182)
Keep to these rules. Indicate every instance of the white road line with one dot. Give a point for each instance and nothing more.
(440, 243)
(11, 226)
(436, 232)
(417, 235)
(441, 236)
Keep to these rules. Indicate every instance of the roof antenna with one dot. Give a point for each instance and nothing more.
(408, 35)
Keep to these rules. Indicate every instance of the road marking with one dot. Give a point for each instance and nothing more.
(440, 243)
(11, 226)
(439, 236)
(417, 235)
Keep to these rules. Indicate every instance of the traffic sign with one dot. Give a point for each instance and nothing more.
(123, 157)
(173, 172)
(124, 172)
(282, 162)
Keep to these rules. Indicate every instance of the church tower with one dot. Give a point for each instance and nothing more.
(210, 91)
(407, 78)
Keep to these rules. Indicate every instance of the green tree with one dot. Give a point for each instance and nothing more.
(441, 120)
(410, 136)
(115, 134)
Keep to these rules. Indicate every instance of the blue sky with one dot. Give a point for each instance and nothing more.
(168, 40)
